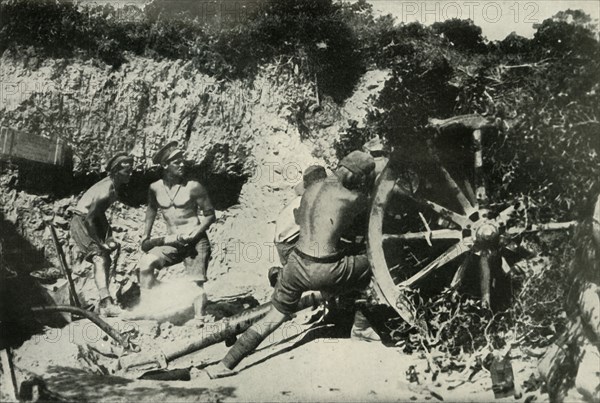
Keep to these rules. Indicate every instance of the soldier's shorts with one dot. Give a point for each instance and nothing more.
(194, 257)
(87, 244)
(334, 274)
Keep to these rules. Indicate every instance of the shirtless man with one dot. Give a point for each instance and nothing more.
(90, 228)
(180, 200)
(286, 228)
(318, 261)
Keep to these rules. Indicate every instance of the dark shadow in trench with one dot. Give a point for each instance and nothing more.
(57, 182)
(223, 189)
(79, 385)
(18, 290)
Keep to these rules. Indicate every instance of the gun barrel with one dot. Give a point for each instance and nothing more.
(211, 334)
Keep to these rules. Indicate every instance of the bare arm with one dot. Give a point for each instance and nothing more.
(94, 217)
(200, 196)
(151, 211)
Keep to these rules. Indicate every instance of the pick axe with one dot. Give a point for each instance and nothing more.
(65, 268)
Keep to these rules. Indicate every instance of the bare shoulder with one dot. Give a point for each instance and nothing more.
(101, 189)
(352, 197)
(155, 185)
(345, 193)
(196, 187)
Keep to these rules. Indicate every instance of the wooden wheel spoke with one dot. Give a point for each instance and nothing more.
(431, 235)
(471, 194)
(446, 257)
(460, 196)
(553, 226)
(505, 214)
(485, 278)
(505, 266)
(480, 191)
(448, 214)
(460, 273)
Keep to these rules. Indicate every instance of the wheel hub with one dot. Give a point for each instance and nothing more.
(487, 235)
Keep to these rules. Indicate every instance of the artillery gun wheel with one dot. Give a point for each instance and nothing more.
(436, 221)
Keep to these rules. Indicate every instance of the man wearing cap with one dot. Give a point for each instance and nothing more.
(318, 261)
(180, 201)
(90, 228)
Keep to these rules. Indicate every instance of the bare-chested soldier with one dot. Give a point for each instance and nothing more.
(319, 261)
(286, 228)
(90, 228)
(180, 200)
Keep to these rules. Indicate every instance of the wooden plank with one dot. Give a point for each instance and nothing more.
(472, 121)
(20, 145)
(6, 140)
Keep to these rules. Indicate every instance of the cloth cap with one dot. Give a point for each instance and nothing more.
(117, 159)
(167, 153)
(358, 162)
(311, 174)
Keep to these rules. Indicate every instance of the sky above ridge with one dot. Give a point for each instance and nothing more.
(497, 19)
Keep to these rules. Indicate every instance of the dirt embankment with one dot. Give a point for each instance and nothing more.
(249, 140)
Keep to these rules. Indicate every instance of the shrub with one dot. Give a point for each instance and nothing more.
(352, 139)
(314, 32)
(462, 34)
(55, 28)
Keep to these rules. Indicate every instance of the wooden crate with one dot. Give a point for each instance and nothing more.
(18, 145)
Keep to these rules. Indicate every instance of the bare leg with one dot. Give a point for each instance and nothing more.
(199, 307)
(148, 263)
(247, 343)
(200, 302)
(106, 306)
(101, 264)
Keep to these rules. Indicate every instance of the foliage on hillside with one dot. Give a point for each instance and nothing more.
(542, 92)
(313, 34)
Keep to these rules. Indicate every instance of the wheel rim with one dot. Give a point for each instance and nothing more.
(456, 229)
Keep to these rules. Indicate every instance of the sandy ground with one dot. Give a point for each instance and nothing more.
(302, 369)
(299, 362)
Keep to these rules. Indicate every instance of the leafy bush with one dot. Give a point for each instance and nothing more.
(463, 34)
(353, 138)
(451, 323)
(314, 32)
(56, 28)
(110, 53)
(419, 88)
(514, 44)
(545, 91)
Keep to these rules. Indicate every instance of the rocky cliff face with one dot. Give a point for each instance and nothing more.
(262, 132)
(144, 104)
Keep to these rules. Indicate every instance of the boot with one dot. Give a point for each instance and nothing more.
(108, 308)
(362, 330)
